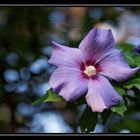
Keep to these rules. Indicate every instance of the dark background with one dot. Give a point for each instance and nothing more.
(53, 2)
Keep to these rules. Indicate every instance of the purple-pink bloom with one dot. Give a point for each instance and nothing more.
(87, 70)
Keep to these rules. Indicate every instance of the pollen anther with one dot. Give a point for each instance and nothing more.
(90, 71)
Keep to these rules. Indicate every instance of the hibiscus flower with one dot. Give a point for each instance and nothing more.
(88, 69)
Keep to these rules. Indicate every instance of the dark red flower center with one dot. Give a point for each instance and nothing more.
(90, 69)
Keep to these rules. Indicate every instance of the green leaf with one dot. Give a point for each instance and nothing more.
(126, 47)
(130, 59)
(88, 120)
(120, 108)
(120, 90)
(137, 85)
(80, 101)
(128, 86)
(137, 60)
(50, 96)
(132, 82)
(130, 56)
(105, 115)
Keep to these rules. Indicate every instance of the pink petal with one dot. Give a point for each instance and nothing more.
(68, 82)
(101, 94)
(65, 56)
(114, 67)
(97, 44)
